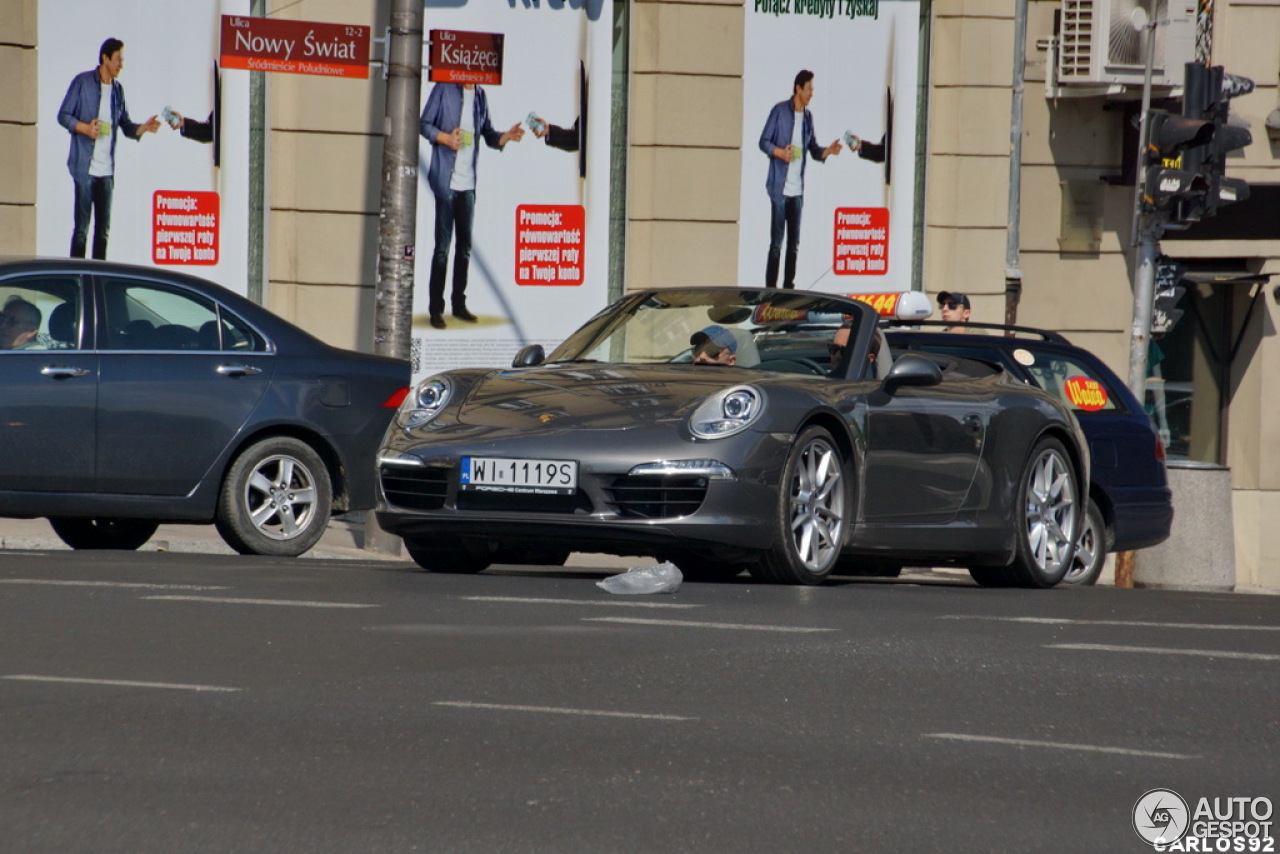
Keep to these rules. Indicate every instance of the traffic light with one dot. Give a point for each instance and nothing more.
(1172, 183)
(1207, 95)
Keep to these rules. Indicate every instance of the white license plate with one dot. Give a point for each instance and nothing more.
(529, 477)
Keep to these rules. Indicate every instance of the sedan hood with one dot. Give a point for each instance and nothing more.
(613, 397)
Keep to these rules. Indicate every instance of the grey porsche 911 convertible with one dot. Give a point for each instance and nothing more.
(731, 429)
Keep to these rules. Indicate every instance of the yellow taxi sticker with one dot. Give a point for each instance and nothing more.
(886, 305)
(1086, 394)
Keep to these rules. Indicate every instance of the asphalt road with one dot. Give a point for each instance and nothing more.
(155, 702)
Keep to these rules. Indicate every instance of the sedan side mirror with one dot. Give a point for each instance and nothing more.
(529, 356)
(912, 371)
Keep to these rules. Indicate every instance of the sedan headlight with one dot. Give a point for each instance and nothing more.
(424, 403)
(727, 412)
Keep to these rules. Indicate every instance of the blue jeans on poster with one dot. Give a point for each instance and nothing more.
(92, 197)
(784, 214)
(454, 213)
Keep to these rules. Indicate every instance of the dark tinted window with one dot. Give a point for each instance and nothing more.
(152, 316)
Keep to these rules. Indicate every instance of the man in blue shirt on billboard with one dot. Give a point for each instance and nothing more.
(455, 116)
(789, 140)
(92, 111)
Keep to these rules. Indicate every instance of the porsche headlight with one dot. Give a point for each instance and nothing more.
(727, 412)
(424, 403)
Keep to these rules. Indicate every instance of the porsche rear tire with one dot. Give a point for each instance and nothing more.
(812, 513)
(117, 534)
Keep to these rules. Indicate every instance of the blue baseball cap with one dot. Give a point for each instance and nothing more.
(719, 336)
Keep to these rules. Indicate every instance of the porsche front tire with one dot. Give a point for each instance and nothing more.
(811, 515)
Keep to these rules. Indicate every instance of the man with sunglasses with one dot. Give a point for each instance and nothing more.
(714, 345)
(955, 310)
(839, 350)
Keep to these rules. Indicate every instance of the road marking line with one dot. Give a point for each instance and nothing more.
(693, 624)
(1056, 745)
(556, 711)
(1204, 653)
(292, 603)
(122, 683)
(606, 603)
(1055, 621)
(122, 584)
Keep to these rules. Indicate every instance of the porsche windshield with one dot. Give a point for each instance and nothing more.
(686, 325)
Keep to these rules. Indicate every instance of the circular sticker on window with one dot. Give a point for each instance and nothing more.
(1024, 357)
(1084, 393)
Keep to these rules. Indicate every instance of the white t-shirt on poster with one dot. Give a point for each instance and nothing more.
(464, 166)
(100, 162)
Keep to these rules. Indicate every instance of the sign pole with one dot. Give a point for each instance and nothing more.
(398, 216)
(397, 219)
(1146, 235)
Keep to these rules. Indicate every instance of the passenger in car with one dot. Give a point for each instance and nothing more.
(839, 349)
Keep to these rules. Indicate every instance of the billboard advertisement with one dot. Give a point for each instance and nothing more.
(167, 185)
(513, 194)
(828, 151)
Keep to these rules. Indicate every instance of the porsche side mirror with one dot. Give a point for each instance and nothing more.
(529, 356)
(913, 371)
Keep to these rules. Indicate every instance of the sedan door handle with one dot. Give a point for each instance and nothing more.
(62, 372)
(238, 370)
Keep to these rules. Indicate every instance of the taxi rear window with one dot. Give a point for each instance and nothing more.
(1071, 379)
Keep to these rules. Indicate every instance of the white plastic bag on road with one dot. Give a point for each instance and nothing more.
(661, 578)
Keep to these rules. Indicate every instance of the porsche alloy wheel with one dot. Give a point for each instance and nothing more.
(1049, 495)
(812, 513)
(123, 534)
(275, 499)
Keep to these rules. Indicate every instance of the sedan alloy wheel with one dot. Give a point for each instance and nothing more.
(275, 499)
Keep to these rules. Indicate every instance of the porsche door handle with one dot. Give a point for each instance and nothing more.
(63, 372)
(238, 370)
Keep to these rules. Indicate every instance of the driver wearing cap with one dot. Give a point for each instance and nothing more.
(955, 310)
(714, 345)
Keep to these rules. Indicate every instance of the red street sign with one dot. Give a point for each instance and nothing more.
(296, 47)
(457, 57)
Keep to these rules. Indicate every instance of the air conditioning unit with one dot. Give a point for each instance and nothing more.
(1099, 46)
